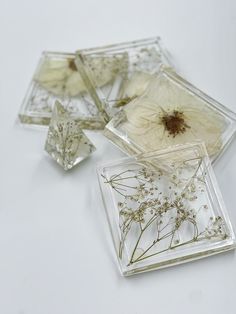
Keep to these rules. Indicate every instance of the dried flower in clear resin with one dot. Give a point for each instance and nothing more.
(171, 112)
(57, 78)
(62, 78)
(66, 142)
(164, 208)
(142, 59)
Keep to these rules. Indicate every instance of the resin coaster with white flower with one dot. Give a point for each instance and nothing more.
(57, 78)
(142, 59)
(66, 143)
(164, 208)
(171, 111)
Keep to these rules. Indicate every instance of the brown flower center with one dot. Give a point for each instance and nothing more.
(174, 123)
(72, 65)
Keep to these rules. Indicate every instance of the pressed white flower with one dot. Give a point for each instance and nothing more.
(61, 77)
(168, 114)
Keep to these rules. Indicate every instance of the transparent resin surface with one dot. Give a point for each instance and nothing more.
(66, 142)
(164, 208)
(57, 78)
(171, 111)
(136, 63)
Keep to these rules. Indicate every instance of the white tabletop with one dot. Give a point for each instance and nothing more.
(56, 254)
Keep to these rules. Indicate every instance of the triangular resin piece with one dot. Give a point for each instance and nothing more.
(66, 142)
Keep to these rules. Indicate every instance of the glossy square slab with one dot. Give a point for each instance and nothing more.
(132, 65)
(171, 111)
(164, 208)
(66, 143)
(57, 78)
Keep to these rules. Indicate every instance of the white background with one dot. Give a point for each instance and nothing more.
(56, 255)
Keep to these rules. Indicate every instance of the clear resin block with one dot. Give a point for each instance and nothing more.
(170, 112)
(57, 78)
(137, 62)
(66, 142)
(164, 208)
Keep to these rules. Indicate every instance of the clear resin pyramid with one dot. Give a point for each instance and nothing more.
(171, 111)
(164, 208)
(137, 62)
(66, 142)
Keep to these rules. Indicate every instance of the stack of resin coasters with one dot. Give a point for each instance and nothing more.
(162, 203)
(90, 84)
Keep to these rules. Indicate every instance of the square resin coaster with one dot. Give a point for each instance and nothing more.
(57, 78)
(170, 112)
(127, 70)
(164, 208)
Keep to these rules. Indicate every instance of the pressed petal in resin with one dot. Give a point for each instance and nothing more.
(62, 78)
(171, 112)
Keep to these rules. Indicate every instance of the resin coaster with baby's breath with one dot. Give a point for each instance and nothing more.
(164, 208)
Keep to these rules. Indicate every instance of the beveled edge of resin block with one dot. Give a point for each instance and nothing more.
(122, 141)
(36, 119)
(117, 47)
(216, 248)
(95, 92)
